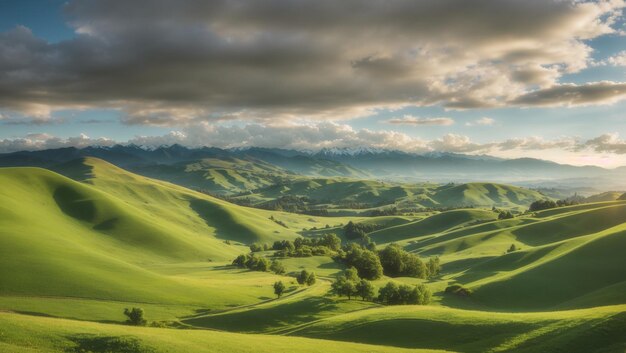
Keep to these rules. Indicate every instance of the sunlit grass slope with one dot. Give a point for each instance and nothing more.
(29, 334)
(590, 330)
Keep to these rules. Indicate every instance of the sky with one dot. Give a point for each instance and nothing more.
(535, 78)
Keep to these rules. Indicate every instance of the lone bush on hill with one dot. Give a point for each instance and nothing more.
(135, 316)
(459, 290)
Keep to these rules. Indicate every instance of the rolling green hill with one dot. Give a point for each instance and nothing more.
(84, 246)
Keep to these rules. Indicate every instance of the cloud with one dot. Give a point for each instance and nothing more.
(42, 141)
(484, 121)
(594, 93)
(314, 136)
(618, 59)
(412, 120)
(610, 143)
(189, 61)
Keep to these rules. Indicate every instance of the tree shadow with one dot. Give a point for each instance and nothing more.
(107, 344)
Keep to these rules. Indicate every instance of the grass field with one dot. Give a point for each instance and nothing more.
(74, 252)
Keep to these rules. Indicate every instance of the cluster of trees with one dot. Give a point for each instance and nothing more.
(366, 262)
(505, 215)
(358, 230)
(397, 262)
(258, 263)
(390, 211)
(349, 284)
(403, 294)
(392, 261)
(541, 205)
(306, 278)
(304, 247)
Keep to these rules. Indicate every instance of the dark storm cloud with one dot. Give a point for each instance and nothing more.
(176, 62)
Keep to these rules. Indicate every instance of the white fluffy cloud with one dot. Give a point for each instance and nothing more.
(484, 121)
(188, 61)
(413, 120)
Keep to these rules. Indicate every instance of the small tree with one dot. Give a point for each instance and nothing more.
(135, 316)
(311, 279)
(351, 274)
(349, 289)
(256, 247)
(365, 289)
(512, 248)
(279, 288)
(434, 266)
(277, 267)
(302, 277)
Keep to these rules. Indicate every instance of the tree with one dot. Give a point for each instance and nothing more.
(332, 241)
(135, 316)
(279, 288)
(277, 267)
(349, 289)
(391, 260)
(512, 248)
(241, 261)
(346, 284)
(505, 215)
(256, 247)
(365, 289)
(302, 276)
(434, 266)
(366, 262)
(351, 274)
(306, 277)
(311, 279)
(394, 294)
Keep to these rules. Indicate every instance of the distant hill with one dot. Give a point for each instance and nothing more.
(605, 196)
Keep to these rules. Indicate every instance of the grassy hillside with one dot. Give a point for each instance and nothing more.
(86, 247)
(222, 176)
(598, 329)
(605, 196)
(27, 334)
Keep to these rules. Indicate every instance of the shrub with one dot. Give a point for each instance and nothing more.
(135, 316)
(459, 290)
(512, 248)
